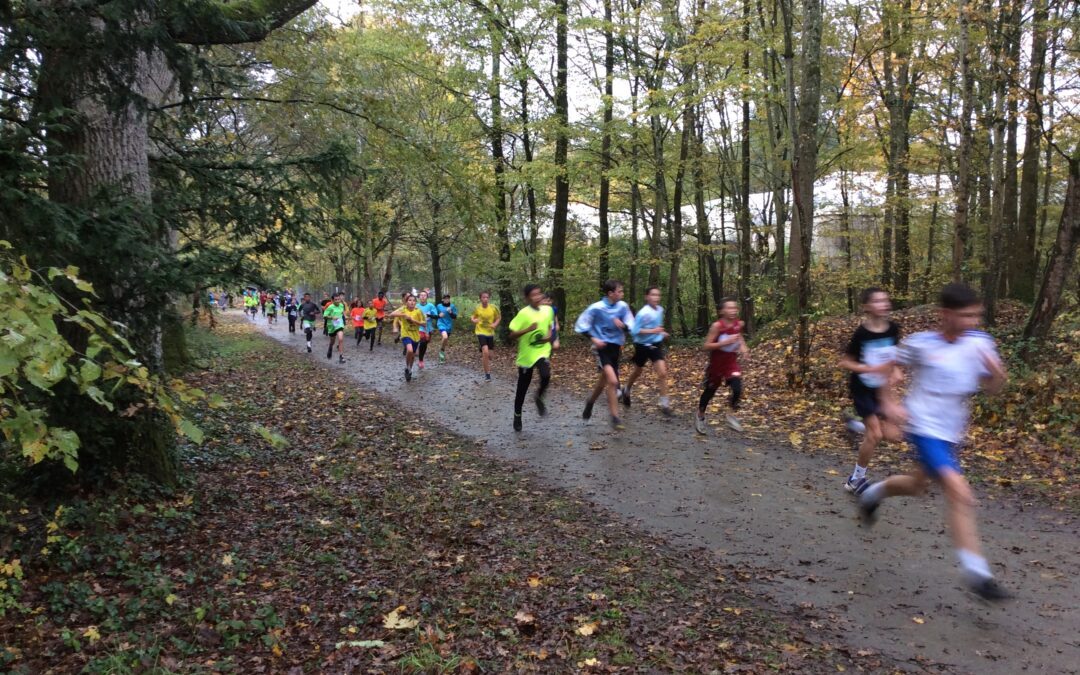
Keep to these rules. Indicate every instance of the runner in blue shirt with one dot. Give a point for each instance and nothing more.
(428, 308)
(604, 322)
(447, 312)
(649, 335)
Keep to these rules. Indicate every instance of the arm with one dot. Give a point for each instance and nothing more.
(515, 334)
(498, 318)
(995, 380)
(714, 340)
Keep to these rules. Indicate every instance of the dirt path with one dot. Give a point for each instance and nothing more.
(781, 515)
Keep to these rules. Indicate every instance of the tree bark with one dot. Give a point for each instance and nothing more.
(746, 304)
(963, 160)
(495, 138)
(605, 142)
(1060, 261)
(557, 258)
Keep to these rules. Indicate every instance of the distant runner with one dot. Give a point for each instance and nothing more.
(335, 320)
(447, 312)
(411, 319)
(486, 317)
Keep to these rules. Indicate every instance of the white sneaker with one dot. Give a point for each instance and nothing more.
(699, 425)
(733, 422)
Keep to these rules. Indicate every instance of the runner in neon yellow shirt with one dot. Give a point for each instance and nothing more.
(532, 329)
(335, 323)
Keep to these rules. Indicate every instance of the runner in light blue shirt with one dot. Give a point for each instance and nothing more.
(649, 335)
(447, 312)
(605, 322)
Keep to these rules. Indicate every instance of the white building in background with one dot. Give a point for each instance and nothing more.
(866, 198)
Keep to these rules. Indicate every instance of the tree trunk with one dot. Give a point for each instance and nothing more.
(1059, 264)
(605, 142)
(506, 296)
(963, 160)
(1022, 268)
(706, 263)
(675, 242)
(746, 304)
(557, 258)
(388, 271)
(845, 233)
(530, 191)
(795, 253)
(804, 168)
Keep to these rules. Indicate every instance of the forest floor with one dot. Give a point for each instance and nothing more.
(775, 513)
(325, 527)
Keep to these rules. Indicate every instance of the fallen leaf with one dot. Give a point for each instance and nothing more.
(918, 619)
(586, 628)
(534, 581)
(394, 621)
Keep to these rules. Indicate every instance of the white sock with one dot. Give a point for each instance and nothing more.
(874, 493)
(974, 565)
(859, 472)
(665, 402)
(309, 343)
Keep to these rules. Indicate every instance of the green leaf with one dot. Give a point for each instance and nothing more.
(188, 428)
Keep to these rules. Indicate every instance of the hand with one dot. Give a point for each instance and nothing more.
(531, 327)
(619, 324)
(894, 412)
(555, 345)
(598, 343)
(994, 365)
(664, 335)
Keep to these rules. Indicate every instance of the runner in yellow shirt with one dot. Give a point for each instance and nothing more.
(486, 317)
(411, 319)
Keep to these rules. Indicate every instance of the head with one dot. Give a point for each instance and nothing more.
(339, 298)
(307, 297)
(961, 309)
(533, 294)
(613, 290)
(652, 295)
(728, 309)
(875, 302)
(485, 298)
(423, 297)
(410, 301)
(382, 295)
(546, 300)
(446, 299)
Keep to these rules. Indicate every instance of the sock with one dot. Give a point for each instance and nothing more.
(874, 493)
(974, 565)
(665, 402)
(859, 472)
(309, 343)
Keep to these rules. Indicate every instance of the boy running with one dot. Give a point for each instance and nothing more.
(947, 367)
(251, 304)
(335, 322)
(725, 344)
(356, 313)
(649, 335)
(872, 344)
(291, 311)
(604, 322)
(532, 329)
(486, 317)
(447, 312)
(428, 308)
(271, 312)
(309, 312)
(410, 318)
(369, 326)
(381, 304)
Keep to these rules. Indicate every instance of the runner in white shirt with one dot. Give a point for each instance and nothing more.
(947, 367)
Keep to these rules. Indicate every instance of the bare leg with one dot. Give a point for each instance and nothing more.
(870, 440)
(485, 359)
(612, 381)
(661, 375)
(634, 375)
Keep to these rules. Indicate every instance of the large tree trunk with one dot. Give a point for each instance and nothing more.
(605, 142)
(1022, 268)
(502, 229)
(963, 159)
(795, 252)
(746, 301)
(557, 257)
(706, 262)
(530, 191)
(1059, 264)
(805, 167)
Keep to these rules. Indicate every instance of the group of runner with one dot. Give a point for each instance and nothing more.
(946, 367)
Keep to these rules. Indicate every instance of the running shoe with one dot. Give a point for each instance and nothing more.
(340, 359)
(487, 377)
(587, 413)
(853, 424)
(517, 422)
(408, 374)
(541, 406)
(868, 510)
(624, 397)
(421, 365)
(699, 425)
(442, 357)
(733, 422)
(856, 487)
(989, 589)
(329, 355)
(309, 349)
(616, 424)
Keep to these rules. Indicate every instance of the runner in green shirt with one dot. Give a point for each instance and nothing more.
(532, 329)
(335, 323)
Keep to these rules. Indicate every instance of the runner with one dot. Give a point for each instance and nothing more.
(381, 305)
(446, 312)
(335, 318)
(947, 367)
(555, 323)
(251, 304)
(270, 308)
(604, 322)
(370, 324)
(428, 308)
(725, 344)
(292, 311)
(356, 313)
(649, 336)
(486, 317)
(872, 344)
(411, 319)
(532, 329)
(326, 322)
(309, 311)
(262, 302)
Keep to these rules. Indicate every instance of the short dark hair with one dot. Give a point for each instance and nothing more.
(307, 295)
(958, 296)
(529, 288)
(445, 296)
(487, 293)
(650, 289)
(868, 293)
(611, 285)
(382, 293)
(725, 300)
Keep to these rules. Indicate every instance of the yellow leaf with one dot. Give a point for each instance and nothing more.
(596, 596)
(586, 628)
(591, 662)
(918, 619)
(394, 621)
(534, 581)
(227, 560)
(170, 599)
(276, 649)
(796, 438)
(92, 634)
(833, 472)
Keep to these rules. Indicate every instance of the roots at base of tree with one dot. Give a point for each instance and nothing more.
(176, 359)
